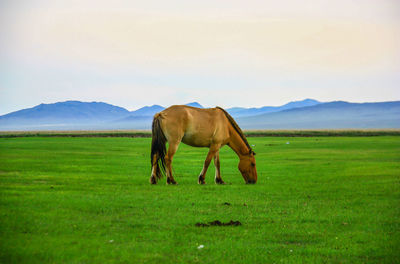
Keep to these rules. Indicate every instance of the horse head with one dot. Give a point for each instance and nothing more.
(247, 166)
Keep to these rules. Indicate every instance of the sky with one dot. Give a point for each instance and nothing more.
(225, 53)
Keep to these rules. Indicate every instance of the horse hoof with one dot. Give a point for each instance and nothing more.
(153, 180)
(219, 181)
(201, 180)
(169, 181)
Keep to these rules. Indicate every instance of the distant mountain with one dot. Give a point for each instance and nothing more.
(195, 104)
(241, 112)
(306, 114)
(298, 104)
(70, 110)
(63, 113)
(142, 118)
(152, 110)
(333, 115)
(147, 111)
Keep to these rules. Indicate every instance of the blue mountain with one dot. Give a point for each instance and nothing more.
(306, 114)
(241, 112)
(66, 112)
(142, 118)
(147, 111)
(152, 110)
(195, 104)
(332, 115)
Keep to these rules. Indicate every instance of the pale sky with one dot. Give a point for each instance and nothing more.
(226, 53)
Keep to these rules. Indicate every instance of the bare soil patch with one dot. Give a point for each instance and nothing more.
(219, 223)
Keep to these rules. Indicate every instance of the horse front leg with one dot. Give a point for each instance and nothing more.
(218, 179)
(210, 155)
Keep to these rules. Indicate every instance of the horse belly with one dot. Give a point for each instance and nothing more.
(197, 139)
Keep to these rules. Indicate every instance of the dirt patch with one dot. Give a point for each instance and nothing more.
(219, 223)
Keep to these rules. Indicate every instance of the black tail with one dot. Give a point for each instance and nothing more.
(158, 149)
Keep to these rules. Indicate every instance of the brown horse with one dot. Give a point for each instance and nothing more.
(212, 128)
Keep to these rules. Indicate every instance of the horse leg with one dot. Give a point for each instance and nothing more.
(218, 179)
(210, 155)
(173, 147)
(155, 170)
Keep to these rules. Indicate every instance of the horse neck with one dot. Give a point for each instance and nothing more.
(237, 144)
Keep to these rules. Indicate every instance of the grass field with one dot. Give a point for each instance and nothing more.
(88, 200)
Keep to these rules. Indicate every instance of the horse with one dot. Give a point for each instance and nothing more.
(198, 127)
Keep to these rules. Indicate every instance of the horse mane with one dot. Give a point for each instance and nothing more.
(237, 128)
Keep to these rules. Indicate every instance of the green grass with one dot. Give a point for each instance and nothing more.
(88, 200)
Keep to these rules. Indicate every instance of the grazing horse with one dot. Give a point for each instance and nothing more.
(212, 128)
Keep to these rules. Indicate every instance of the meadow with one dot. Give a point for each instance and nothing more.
(88, 200)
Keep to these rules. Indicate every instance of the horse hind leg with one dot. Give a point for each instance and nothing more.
(173, 147)
(155, 171)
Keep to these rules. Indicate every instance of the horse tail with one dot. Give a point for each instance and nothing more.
(158, 149)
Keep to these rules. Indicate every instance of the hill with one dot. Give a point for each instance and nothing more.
(142, 118)
(62, 114)
(147, 111)
(195, 104)
(305, 114)
(333, 115)
(241, 112)
(152, 110)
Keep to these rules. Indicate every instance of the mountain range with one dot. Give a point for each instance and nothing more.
(305, 114)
